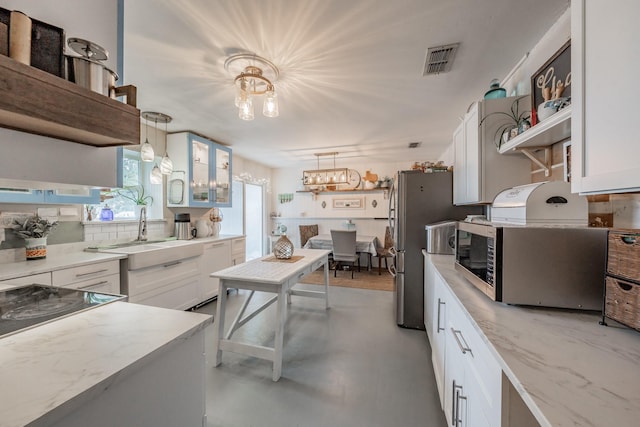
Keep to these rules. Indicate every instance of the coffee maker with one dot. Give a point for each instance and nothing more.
(182, 227)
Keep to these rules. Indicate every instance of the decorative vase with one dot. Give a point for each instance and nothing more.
(283, 248)
(36, 248)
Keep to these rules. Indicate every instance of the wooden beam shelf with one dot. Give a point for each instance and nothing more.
(37, 102)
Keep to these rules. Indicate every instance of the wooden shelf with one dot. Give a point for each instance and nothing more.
(37, 102)
(554, 129)
(384, 190)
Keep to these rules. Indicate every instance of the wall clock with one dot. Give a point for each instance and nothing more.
(353, 179)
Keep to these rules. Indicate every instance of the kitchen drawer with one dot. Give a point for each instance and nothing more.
(152, 280)
(40, 279)
(69, 276)
(622, 302)
(238, 246)
(109, 284)
(624, 254)
(180, 294)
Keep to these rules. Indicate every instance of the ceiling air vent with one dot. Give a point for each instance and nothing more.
(415, 144)
(439, 59)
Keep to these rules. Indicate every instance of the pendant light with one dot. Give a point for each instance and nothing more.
(156, 175)
(146, 151)
(166, 165)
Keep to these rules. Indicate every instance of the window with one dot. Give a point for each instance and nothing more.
(135, 174)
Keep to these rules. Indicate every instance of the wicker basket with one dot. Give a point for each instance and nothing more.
(624, 254)
(622, 302)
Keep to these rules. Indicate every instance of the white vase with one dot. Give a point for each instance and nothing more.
(36, 248)
(138, 210)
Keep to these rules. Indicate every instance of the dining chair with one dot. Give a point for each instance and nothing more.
(307, 232)
(344, 249)
(384, 252)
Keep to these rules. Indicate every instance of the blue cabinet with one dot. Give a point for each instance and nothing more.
(202, 172)
(60, 197)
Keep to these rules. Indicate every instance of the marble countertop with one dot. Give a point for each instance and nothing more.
(568, 369)
(54, 262)
(50, 370)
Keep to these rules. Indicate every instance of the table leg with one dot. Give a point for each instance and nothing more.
(326, 285)
(219, 322)
(281, 312)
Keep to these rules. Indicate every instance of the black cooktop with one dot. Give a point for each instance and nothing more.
(32, 305)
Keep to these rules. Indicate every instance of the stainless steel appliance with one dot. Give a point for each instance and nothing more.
(182, 226)
(417, 199)
(548, 266)
(441, 237)
(27, 306)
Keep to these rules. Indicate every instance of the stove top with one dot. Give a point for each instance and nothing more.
(32, 305)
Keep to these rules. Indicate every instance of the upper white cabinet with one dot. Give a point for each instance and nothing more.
(202, 172)
(479, 171)
(605, 149)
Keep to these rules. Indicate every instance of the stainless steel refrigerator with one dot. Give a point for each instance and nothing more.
(417, 199)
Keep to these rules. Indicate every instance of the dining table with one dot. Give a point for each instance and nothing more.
(272, 275)
(364, 244)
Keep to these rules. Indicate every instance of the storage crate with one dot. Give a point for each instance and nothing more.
(624, 254)
(622, 302)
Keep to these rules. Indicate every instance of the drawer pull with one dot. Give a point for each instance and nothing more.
(629, 240)
(463, 348)
(93, 285)
(171, 264)
(440, 303)
(216, 245)
(91, 272)
(624, 286)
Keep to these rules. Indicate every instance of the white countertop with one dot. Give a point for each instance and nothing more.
(569, 370)
(50, 370)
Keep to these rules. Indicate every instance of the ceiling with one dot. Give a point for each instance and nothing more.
(350, 70)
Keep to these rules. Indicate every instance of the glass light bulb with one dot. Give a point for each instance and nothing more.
(270, 105)
(245, 111)
(156, 175)
(146, 152)
(241, 92)
(166, 165)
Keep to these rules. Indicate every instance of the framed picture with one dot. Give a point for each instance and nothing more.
(353, 203)
(552, 80)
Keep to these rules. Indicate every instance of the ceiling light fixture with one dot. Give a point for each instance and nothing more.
(166, 165)
(319, 176)
(254, 75)
(146, 151)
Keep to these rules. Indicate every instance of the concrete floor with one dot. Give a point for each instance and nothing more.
(347, 366)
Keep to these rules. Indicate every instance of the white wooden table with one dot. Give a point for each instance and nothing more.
(266, 276)
(364, 244)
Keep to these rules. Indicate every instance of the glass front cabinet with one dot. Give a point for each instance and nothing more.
(201, 175)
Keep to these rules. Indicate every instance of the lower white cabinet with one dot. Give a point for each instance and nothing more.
(97, 277)
(174, 284)
(38, 279)
(468, 377)
(216, 256)
(238, 250)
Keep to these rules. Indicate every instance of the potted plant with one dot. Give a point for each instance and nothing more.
(136, 194)
(516, 122)
(34, 230)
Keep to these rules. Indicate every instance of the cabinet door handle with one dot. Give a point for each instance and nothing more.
(171, 264)
(459, 397)
(454, 403)
(93, 285)
(440, 303)
(464, 348)
(216, 245)
(91, 272)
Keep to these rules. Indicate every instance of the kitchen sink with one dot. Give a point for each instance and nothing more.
(153, 252)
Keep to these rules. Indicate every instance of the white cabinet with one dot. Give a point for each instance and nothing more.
(604, 150)
(39, 279)
(97, 277)
(479, 171)
(238, 250)
(175, 284)
(468, 377)
(216, 256)
(206, 168)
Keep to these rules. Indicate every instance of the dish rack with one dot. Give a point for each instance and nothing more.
(622, 280)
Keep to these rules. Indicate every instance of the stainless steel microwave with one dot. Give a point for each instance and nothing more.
(554, 266)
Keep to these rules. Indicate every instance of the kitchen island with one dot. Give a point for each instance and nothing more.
(118, 364)
(566, 368)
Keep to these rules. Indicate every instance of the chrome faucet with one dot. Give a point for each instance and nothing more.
(142, 225)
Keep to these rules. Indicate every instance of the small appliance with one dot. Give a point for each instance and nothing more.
(441, 237)
(182, 227)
